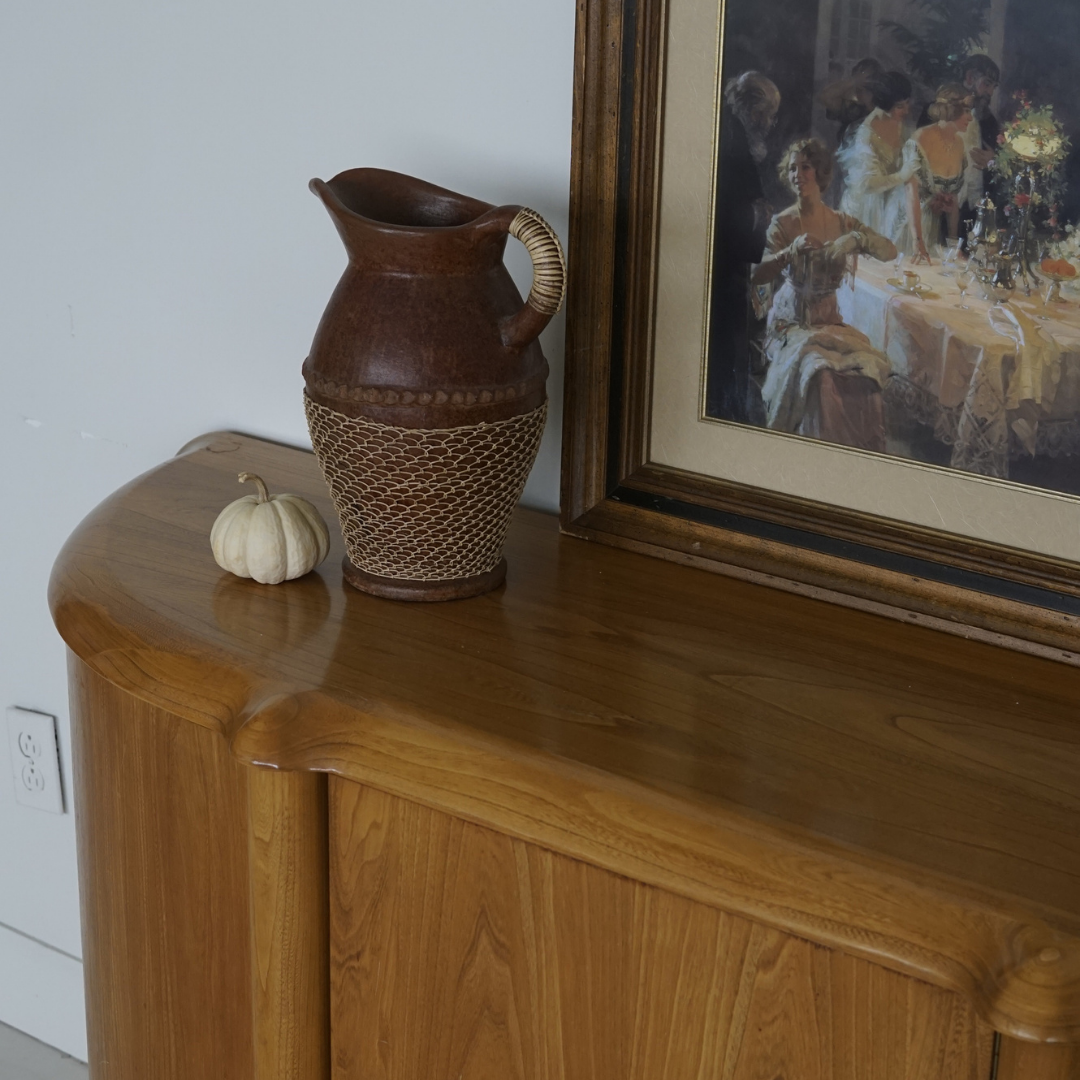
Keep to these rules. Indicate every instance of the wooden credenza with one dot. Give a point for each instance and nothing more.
(620, 820)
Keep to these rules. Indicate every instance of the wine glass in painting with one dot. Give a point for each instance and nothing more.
(963, 282)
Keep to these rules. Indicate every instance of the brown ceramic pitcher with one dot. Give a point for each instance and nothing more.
(425, 385)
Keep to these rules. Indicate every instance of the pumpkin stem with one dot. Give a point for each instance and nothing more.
(264, 494)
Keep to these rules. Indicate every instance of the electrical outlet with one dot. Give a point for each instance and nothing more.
(35, 759)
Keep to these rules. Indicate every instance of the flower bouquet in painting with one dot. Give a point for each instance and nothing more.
(1033, 149)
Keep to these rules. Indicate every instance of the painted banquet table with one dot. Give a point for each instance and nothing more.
(990, 386)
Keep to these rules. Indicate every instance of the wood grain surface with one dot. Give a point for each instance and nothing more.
(977, 616)
(459, 952)
(290, 944)
(591, 273)
(1032, 1061)
(163, 884)
(904, 796)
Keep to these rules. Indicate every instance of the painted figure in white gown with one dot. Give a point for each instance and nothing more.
(939, 157)
(875, 172)
(824, 378)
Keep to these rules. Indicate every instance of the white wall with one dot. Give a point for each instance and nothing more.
(164, 267)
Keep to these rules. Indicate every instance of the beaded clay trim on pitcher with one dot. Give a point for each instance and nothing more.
(381, 395)
(420, 504)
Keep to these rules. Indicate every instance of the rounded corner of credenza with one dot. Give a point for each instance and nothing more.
(1035, 995)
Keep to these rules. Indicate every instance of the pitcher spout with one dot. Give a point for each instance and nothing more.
(392, 221)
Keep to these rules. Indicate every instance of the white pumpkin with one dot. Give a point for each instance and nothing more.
(270, 538)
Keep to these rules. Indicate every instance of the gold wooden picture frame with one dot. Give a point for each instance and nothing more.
(617, 491)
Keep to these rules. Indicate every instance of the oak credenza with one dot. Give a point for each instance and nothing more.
(619, 820)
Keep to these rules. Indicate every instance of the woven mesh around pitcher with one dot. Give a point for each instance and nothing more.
(419, 504)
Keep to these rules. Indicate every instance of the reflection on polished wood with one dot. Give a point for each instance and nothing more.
(896, 796)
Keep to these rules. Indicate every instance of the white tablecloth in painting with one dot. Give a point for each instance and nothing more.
(958, 374)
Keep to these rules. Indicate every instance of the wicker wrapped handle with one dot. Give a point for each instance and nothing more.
(549, 278)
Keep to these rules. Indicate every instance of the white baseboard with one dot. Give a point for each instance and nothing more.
(41, 993)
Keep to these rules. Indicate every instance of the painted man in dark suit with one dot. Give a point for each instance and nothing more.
(751, 103)
(848, 102)
(981, 76)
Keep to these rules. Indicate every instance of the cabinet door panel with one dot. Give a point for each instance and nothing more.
(458, 953)
(163, 877)
(1035, 1061)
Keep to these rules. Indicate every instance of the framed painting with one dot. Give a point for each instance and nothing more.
(822, 324)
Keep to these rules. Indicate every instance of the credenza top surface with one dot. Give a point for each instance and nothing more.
(945, 758)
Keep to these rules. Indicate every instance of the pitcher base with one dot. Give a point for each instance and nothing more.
(430, 591)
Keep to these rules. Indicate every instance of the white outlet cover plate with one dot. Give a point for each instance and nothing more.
(35, 759)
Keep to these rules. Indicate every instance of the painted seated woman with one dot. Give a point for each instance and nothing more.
(823, 377)
(937, 156)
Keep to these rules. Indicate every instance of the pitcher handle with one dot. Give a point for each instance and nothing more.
(549, 279)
